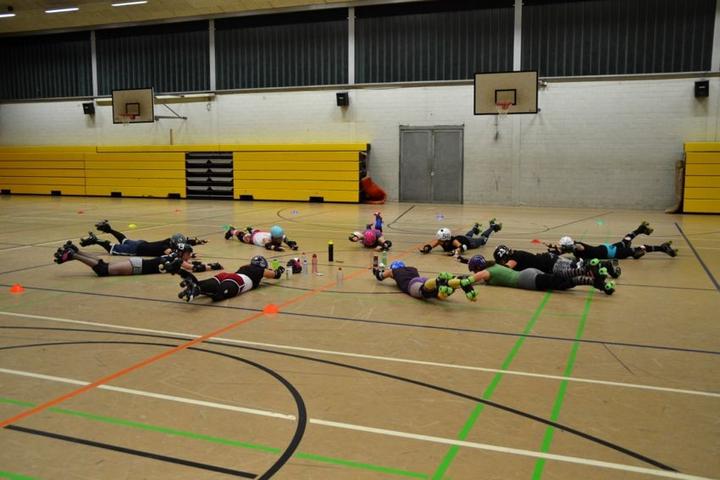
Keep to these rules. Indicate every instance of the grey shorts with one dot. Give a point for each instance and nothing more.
(415, 287)
(127, 247)
(136, 263)
(526, 280)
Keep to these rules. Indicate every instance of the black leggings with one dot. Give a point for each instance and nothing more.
(546, 281)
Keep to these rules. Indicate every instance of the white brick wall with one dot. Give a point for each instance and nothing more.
(604, 144)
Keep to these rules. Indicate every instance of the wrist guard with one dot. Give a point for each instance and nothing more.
(426, 248)
(278, 272)
(378, 272)
(386, 245)
(291, 244)
(215, 266)
(198, 267)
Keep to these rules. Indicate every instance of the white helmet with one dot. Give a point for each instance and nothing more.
(566, 241)
(444, 234)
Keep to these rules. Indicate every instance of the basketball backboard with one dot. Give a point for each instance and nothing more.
(133, 106)
(519, 89)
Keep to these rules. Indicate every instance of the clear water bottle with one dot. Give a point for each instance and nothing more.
(304, 264)
(384, 258)
(314, 263)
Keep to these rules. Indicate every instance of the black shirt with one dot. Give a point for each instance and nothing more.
(253, 272)
(153, 249)
(152, 265)
(542, 261)
(403, 275)
(448, 245)
(591, 251)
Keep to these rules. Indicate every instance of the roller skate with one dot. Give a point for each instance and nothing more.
(644, 228)
(229, 232)
(667, 248)
(639, 252)
(599, 273)
(91, 239)
(65, 253)
(190, 290)
(476, 229)
(103, 226)
(444, 292)
(609, 287)
(495, 225)
(612, 267)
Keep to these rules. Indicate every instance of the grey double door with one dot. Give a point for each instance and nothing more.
(431, 164)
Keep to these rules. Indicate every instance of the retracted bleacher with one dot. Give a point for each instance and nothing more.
(702, 177)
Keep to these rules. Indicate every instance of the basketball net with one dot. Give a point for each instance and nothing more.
(126, 117)
(503, 108)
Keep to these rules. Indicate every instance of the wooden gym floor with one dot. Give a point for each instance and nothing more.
(354, 381)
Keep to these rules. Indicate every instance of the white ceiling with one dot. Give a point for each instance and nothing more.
(31, 16)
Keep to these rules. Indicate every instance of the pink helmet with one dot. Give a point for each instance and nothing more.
(369, 238)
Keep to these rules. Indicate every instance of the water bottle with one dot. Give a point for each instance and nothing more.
(304, 264)
(330, 251)
(339, 277)
(376, 262)
(384, 258)
(314, 263)
(275, 264)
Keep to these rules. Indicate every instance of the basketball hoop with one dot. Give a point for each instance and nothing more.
(503, 107)
(126, 118)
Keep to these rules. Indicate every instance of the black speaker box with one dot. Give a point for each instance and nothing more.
(702, 88)
(89, 108)
(343, 99)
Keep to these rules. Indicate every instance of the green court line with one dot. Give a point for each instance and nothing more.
(550, 431)
(222, 441)
(470, 422)
(15, 476)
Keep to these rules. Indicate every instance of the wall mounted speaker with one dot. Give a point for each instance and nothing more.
(89, 108)
(702, 88)
(343, 99)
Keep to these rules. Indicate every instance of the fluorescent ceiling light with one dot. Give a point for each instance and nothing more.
(6, 15)
(62, 10)
(125, 4)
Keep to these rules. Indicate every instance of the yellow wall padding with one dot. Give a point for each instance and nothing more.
(702, 177)
(266, 172)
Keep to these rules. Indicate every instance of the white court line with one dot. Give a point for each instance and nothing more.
(374, 357)
(377, 431)
(160, 396)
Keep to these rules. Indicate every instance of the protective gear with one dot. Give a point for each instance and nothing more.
(91, 239)
(272, 246)
(178, 238)
(379, 273)
(101, 269)
(369, 238)
(229, 232)
(198, 267)
(386, 245)
(196, 241)
(171, 263)
(191, 289)
(477, 263)
(292, 245)
(215, 266)
(397, 264)
(444, 234)
(181, 248)
(295, 265)
(667, 248)
(566, 242)
(277, 232)
(501, 254)
(427, 248)
(278, 272)
(259, 261)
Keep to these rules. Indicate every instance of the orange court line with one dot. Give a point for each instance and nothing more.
(155, 358)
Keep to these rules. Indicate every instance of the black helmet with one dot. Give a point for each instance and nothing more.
(181, 248)
(501, 254)
(259, 261)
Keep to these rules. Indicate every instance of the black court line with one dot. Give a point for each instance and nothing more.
(697, 255)
(386, 323)
(401, 215)
(547, 229)
(431, 386)
(33, 267)
(302, 419)
(132, 451)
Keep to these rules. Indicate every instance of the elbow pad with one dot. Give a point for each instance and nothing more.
(378, 272)
(198, 267)
(463, 247)
(386, 245)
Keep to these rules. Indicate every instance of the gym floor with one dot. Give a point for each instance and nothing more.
(99, 378)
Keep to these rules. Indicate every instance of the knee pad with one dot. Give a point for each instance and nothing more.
(101, 269)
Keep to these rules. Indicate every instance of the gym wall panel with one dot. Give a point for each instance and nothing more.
(610, 37)
(45, 66)
(170, 58)
(448, 40)
(135, 173)
(280, 50)
(702, 177)
(42, 170)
